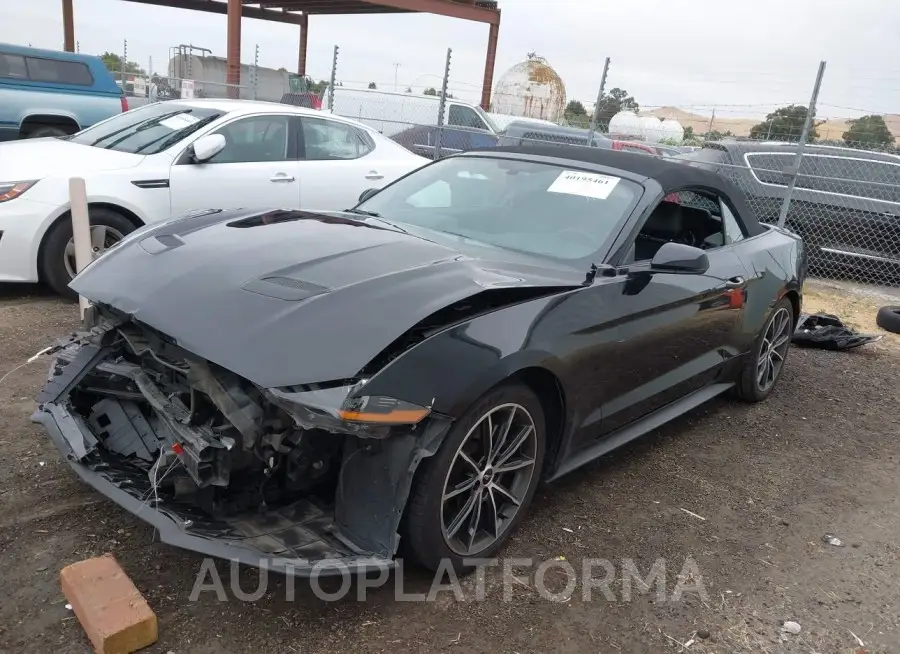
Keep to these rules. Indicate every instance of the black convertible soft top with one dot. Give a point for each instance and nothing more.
(670, 174)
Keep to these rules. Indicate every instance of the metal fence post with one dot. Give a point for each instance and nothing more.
(332, 82)
(442, 105)
(255, 71)
(124, 59)
(595, 114)
(793, 171)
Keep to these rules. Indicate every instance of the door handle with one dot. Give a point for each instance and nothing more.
(282, 177)
(735, 282)
(373, 174)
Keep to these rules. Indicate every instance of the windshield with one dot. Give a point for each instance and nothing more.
(535, 208)
(147, 130)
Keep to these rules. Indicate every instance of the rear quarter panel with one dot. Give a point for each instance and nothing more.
(776, 264)
(20, 99)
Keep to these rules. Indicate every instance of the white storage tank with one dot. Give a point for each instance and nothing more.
(672, 130)
(531, 89)
(626, 123)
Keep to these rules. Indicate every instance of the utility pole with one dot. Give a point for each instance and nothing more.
(396, 69)
(711, 119)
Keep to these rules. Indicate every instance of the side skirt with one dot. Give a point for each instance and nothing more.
(640, 427)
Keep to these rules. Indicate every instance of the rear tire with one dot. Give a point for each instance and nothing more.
(44, 131)
(52, 259)
(763, 367)
(888, 318)
(436, 527)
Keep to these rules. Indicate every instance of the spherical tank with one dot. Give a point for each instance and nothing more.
(531, 89)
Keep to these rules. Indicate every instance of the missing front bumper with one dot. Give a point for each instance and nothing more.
(297, 539)
(354, 529)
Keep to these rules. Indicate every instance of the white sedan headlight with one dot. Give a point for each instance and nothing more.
(12, 190)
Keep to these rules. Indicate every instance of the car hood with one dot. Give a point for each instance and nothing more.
(49, 157)
(288, 297)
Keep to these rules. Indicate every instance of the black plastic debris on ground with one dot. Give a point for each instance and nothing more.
(828, 332)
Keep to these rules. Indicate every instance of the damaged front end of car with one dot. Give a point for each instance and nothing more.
(302, 479)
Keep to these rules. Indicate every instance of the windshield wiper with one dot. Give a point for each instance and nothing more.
(363, 212)
(377, 216)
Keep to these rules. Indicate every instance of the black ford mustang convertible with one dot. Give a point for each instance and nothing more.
(311, 391)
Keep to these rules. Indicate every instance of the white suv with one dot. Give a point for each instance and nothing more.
(173, 157)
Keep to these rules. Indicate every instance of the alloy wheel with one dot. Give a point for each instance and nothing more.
(488, 479)
(102, 238)
(772, 352)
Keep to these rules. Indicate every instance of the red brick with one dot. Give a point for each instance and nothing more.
(112, 612)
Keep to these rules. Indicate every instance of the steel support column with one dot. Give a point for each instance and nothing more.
(304, 39)
(233, 66)
(489, 65)
(68, 26)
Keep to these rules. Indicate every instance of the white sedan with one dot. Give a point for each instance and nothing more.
(174, 157)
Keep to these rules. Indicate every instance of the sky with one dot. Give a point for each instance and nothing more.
(741, 57)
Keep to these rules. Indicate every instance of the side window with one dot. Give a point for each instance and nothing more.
(769, 167)
(461, 116)
(13, 66)
(326, 140)
(58, 72)
(696, 218)
(254, 139)
(730, 226)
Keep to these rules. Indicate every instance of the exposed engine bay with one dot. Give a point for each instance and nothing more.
(223, 458)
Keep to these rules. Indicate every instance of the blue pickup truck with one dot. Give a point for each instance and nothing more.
(50, 93)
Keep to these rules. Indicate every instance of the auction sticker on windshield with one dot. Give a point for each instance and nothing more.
(178, 121)
(589, 185)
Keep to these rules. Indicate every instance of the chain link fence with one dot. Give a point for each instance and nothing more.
(842, 197)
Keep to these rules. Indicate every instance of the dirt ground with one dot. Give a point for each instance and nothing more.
(747, 492)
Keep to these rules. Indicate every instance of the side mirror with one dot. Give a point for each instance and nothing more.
(369, 192)
(207, 147)
(679, 258)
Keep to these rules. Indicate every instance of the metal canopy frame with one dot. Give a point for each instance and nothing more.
(297, 12)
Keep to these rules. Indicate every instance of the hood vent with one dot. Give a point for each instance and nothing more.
(284, 288)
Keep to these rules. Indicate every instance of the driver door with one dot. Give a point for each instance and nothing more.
(257, 169)
(677, 332)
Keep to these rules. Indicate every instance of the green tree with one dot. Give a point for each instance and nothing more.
(576, 115)
(716, 135)
(409, 89)
(430, 91)
(868, 131)
(373, 85)
(319, 87)
(612, 103)
(113, 63)
(688, 132)
(784, 124)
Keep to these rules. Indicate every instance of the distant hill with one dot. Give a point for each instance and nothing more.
(833, 128)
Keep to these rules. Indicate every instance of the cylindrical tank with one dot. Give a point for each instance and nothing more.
(626, 123)
(652, 129)
(209, 74)
(672, 130)
(531, 89)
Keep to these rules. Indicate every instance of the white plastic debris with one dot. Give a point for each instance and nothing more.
(68, 607)
(41, 463)
(828, 539)
(568, 530)
(791, 627)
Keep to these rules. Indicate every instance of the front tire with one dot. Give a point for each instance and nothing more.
(468, 498)
(763, 367)
(56, 263)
